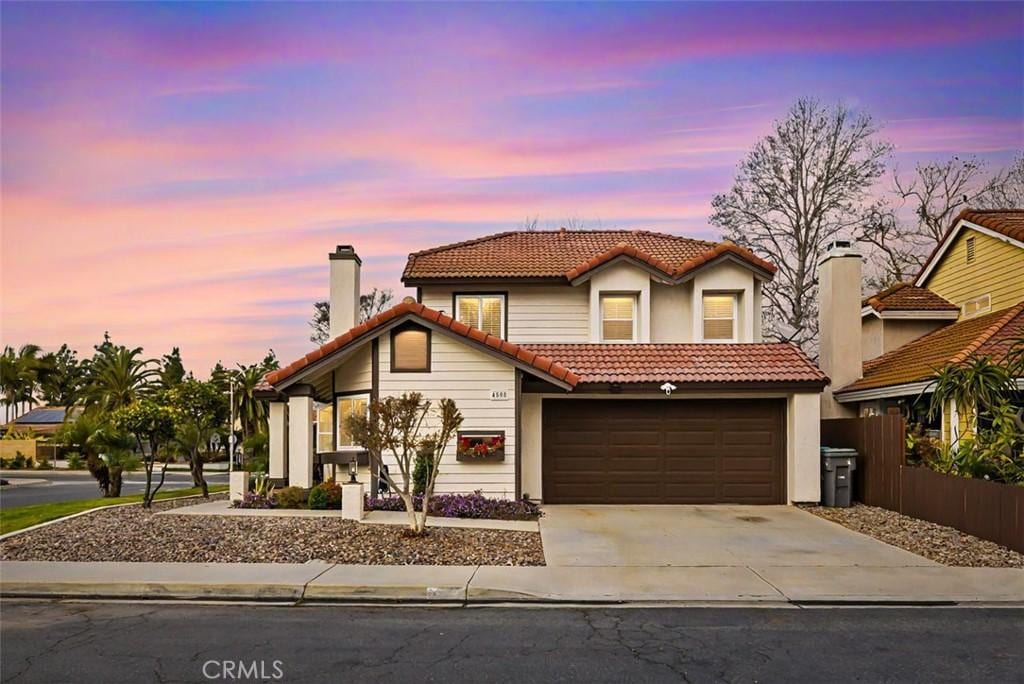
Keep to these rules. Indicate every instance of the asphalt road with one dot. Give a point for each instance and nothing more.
(120, 642)
(74, 485)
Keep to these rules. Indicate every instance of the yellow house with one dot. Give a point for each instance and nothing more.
(968, 299)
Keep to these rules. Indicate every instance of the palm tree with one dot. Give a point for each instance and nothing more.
(251, 411)
(975, 385)
(20, 373)
(92, 436)
(117, 377)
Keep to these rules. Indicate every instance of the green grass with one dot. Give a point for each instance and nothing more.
(19, 518)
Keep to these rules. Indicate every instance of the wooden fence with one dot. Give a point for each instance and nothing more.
(880, 445)
(989, 510)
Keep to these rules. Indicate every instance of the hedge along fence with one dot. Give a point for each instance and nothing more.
(990, 510)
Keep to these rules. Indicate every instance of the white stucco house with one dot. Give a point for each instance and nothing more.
(597, 366)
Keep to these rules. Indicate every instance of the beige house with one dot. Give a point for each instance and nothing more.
(882, 352)
(594, 367)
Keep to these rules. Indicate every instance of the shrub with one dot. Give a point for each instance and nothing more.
(42, 463)
(75, 461)
(18, 462)
(421, 467)
(292, 497)
(256, 500)
(474, 505)
(325, 495)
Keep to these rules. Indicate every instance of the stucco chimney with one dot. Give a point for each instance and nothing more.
(839, 280)
(345, 265)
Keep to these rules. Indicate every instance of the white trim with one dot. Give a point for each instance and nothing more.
(916, 314)
(735, 316)
(883, 392)
(951, 238)
(481, 296)
(337, 419)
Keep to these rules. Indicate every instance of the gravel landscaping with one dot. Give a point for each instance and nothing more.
(132, 534)
(939, 543)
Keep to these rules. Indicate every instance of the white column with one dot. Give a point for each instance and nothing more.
(278, 440)
(804, 455)
(300, 441)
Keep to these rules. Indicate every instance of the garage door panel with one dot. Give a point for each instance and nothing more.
(663, 451)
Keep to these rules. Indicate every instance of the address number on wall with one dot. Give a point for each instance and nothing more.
(500, 395)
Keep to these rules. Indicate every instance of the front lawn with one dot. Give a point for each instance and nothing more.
(19, 518)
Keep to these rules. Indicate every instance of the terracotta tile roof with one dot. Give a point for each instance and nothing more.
(908, 297)
(1008, 222)
(513, 351)
(623, 249)
(553, 254)
(772, 363)
(918, 360)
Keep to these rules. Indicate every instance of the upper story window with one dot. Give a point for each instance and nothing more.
(350, 405)
(618, 318)
(719, 314)
(482, 311)
(410, 350)
(976, 306)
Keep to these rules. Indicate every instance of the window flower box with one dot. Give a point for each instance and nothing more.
(480, 446)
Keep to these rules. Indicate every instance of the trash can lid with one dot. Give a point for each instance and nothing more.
(838, 452)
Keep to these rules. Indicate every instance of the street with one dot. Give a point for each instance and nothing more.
(72, 485)
(105, 642)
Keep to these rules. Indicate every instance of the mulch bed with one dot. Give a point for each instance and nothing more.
(939, 543)
(132, 534)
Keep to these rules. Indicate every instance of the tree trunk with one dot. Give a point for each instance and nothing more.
(116, 480)
(196, 466)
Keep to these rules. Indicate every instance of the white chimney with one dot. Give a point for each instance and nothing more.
(839, 282)
(345, 264)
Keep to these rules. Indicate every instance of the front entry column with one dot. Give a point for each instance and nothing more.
(278, 440)
(300, 441)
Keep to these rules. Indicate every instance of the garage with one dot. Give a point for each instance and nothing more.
(663, 451)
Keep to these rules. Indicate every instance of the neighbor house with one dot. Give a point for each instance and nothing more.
(592, 366)
(882, 353)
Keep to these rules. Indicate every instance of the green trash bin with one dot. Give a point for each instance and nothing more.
(837, 466)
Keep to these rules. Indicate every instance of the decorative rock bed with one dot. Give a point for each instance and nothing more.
(133, 534)
(943, 544)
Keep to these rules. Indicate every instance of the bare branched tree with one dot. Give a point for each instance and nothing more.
(530, 223)
(369, 306)
(800, 187)
(935, 193)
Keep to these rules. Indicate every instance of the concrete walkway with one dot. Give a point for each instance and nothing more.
(318, 581)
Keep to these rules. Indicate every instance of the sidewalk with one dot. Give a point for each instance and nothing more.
(319, 581)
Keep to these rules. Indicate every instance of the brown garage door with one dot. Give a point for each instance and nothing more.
(663, 451)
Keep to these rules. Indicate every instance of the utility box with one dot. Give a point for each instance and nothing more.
(837, 466)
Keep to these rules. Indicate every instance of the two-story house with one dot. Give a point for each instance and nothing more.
(883, 352)
(596, 367)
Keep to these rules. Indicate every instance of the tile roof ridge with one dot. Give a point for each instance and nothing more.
(465, 243)
(986, 334)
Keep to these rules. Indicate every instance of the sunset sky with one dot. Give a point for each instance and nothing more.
(177, 174)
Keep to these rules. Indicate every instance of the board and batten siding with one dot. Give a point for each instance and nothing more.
(997, 270)
(467, 376)
(536, 313)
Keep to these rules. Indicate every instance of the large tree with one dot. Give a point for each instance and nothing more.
(906, 225)
(64, 381)
(370, 305)
(800, 187)
(201, 409)
(118, 376)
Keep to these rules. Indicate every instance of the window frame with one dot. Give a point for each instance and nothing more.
(987, 298)
(391, 345)
(456, 296)
(735, 316)
(633, 297)
(318, 427)
(338, 396)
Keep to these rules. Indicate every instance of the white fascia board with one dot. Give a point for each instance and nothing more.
(951, 238)
(884, 392)
(922, 314)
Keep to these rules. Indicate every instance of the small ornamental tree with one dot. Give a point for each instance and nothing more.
(392, 425)
(200, 409)
(152, 425)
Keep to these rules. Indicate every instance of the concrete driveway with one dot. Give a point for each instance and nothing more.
(722, 535)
